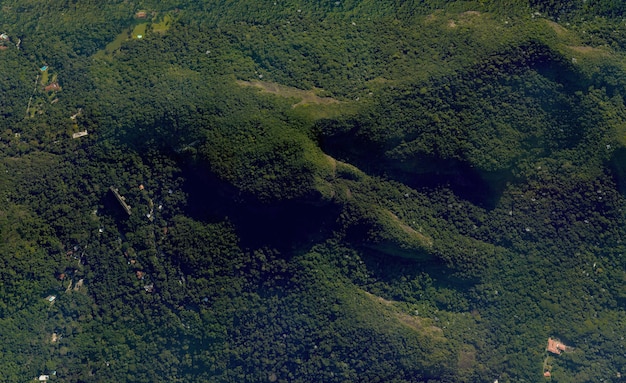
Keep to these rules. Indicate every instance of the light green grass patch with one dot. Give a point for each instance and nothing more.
(125, 35)
(44, 77)
(114, 45)
(305, 97)
(139, 31)
(164, 25)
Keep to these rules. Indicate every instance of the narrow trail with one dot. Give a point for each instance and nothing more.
(30, 100)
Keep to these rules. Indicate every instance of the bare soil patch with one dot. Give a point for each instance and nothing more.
(305, 96)
(557, 27)
(470, 13)
(585, 49)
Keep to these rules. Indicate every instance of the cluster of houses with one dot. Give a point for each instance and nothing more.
(556, 347)
(55, 87)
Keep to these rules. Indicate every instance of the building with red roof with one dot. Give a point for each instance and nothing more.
(555, 346)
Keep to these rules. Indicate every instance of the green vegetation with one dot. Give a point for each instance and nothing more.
(376, 191)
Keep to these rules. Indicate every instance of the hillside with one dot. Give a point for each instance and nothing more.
(342, 191)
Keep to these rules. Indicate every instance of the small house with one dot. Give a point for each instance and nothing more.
(43, 68)
(556, 347)
(44, 378)
(4, 37)
(79, 134)
(78, 113)
(141, 14)
(51, 298)
(52, 87)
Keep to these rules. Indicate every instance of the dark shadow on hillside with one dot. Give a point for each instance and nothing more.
(281, 225)
(467, 131)
(617, 166)
(113, 207)
(464, 180)
(407, 277)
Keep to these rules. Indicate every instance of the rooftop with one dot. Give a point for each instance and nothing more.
(52, 86)
(79, 134)
(555, 346)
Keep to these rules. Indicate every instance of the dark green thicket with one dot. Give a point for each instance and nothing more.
(618, 165)
(474, 130)
(578, 8)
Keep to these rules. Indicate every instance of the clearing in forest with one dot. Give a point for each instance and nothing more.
(306, 96)
(125, 35)
(557, 28)
(419, 324)
(587, 50)
(163, 25)
(139, 31)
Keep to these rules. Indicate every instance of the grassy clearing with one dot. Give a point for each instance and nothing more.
(114, 45)
(164, 25)
(44, 77)
(587, 50)
(125, 35)
(139, 31)
(307, 103)
(306, 97)
(391, 310)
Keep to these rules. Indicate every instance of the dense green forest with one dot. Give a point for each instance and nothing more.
(324, 191)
